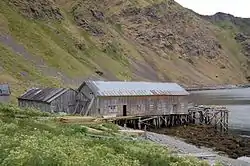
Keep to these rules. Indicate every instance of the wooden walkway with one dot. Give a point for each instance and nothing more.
(209, 115)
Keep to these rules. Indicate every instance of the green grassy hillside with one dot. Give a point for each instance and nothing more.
(62, 42)
(27, 138)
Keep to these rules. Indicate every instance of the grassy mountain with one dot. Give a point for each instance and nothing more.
(239, 27)
(62, 42)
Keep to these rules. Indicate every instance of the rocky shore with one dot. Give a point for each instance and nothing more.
(200, 135)
(204, 142)
(181, 148)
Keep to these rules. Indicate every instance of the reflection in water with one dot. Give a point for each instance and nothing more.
(236, 100)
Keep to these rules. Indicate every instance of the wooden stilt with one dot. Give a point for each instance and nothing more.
(139, 123)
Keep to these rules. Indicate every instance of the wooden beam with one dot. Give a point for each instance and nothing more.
(89, 106)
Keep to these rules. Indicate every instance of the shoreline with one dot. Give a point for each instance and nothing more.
(181, 148)
(216, 87)
(232, 145)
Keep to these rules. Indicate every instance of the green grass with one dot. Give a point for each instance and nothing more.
(43, 42)
(22, 69)
(31, 140)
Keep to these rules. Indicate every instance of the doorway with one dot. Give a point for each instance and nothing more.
(124, 110)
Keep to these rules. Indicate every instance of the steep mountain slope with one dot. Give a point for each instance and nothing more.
(240, 27)
(65, 41)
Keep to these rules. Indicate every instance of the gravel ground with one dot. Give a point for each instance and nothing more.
(181, 148)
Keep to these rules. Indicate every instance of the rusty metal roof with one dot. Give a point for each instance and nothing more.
(4, 90)
(43, 95)
(119, 88)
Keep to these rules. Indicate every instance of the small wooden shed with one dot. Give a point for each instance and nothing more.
(4, 93)
(52, 100)
(117, 98)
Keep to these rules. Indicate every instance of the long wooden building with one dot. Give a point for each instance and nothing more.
(114, 98)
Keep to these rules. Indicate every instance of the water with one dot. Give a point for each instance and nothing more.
(236, 100)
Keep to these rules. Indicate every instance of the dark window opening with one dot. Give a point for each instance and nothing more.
(124, 110)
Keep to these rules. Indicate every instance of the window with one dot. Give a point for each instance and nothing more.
(139, 107)
(112, 108)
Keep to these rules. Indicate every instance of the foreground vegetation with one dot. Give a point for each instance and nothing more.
(28, 137)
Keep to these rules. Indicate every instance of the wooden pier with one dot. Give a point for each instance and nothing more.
(216, 116)
(210, 115)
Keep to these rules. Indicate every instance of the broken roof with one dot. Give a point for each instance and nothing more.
(4, 90)
(43, 95)
(119, 88)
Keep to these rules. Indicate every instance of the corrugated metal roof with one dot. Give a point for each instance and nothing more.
(119, 88)
(4, 90)
(43, 95)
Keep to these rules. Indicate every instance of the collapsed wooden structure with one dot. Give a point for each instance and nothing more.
(216, 116)
(210, 115)
(54, 100)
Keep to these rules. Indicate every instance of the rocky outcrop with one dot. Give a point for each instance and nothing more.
(163, 27)
(37, 9)
(240, 37)
(86, 25)
(244, 40)
(87, 18)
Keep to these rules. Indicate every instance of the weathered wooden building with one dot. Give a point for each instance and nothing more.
(52, 100)
(4, 93)
(114, 98)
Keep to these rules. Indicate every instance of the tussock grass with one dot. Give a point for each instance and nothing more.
(30, 141)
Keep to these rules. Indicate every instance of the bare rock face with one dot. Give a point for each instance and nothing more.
(240, 37)
(162, 26)
(246, 48)
(88, 18)
(89, 27)
(38, 9)
(244, 40)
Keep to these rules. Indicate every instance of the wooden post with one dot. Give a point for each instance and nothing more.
(154, 122)
(166, 123)
(139, 123)
(221, 121)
